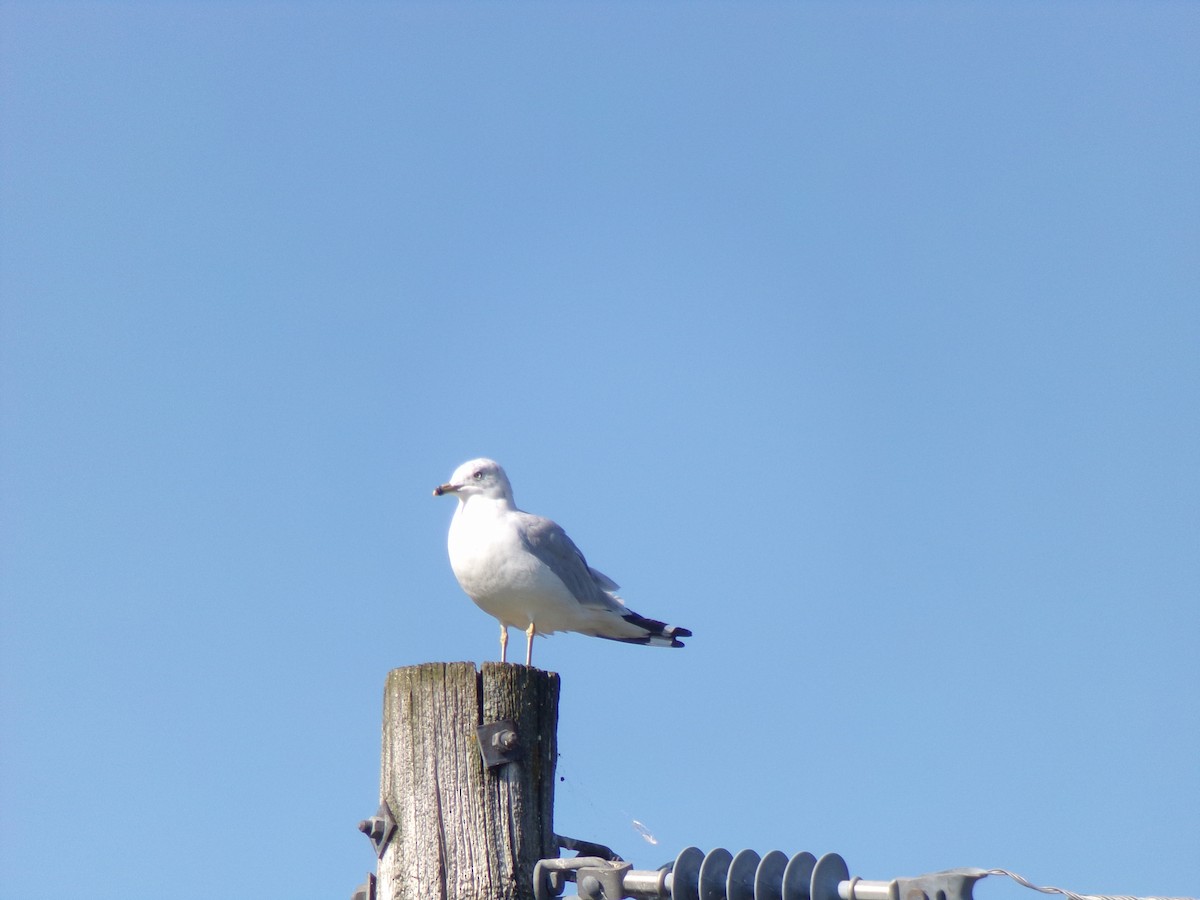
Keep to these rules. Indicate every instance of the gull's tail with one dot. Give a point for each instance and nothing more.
(658, 634)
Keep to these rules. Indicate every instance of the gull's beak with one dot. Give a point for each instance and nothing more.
(445, 489)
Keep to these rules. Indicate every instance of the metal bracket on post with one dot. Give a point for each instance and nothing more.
(366, 890)
(379, 828)
(594, 877)
(586, 848)
(498, 743)
(602, 882)
(597, 870)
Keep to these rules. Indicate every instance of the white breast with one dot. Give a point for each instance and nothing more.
(501, 576)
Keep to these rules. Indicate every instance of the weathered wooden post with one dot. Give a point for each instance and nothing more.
(464, 830)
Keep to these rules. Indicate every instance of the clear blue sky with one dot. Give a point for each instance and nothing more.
(862, 339)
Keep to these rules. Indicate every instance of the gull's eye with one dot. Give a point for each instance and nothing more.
(478, 476)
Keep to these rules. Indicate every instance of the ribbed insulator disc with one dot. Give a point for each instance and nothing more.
(685, 874)
(768, 879)
(713, 873)
(828, 873)
(739, 885)
(797, 877)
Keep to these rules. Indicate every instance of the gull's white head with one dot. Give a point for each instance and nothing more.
(477, 478)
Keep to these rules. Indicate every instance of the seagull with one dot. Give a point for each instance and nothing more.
(525, 571)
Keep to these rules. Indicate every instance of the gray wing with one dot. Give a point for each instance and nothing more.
(550, 544)
(603, 580)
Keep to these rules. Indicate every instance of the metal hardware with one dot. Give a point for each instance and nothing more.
(952, 884)
(586, 848)
(379, 828)
(366, 890)
(604, 882)
(720, 875)
(594, 877)
(498, 743)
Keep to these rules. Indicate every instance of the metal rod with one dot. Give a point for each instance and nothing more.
(864, 890)
(647, 885)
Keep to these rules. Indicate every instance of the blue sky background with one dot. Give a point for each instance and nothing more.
(862, 339)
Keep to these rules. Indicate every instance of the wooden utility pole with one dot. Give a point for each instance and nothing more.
(466, 830)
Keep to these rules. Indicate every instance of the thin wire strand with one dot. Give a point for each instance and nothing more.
(1071, 895)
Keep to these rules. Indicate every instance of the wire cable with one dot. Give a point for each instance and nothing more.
(1071, 895)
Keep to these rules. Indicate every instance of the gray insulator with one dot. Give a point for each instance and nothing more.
(768, 879)
(719, 875)
(797, 877)
(739, 885)
(685, 874)
(714, 874)
(829, 872)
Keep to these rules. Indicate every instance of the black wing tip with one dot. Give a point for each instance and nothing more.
(675, 633)
(659, 632)
(650, 640)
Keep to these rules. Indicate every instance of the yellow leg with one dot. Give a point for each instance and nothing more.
(503, 642)
(529, 645)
